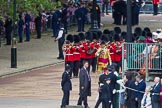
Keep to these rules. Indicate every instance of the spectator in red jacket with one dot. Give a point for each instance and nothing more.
(155, 6)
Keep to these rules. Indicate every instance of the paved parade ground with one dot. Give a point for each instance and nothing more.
(40, 87)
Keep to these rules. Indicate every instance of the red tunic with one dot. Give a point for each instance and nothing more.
(76, 52)
(155, 2)
(83, 50)
(112, 49)
(68, 53)
(118, 52)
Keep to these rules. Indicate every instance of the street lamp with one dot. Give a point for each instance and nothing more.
(94, 24)
(129, 20)
(13, 48)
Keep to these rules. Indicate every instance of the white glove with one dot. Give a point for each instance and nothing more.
(114, 91)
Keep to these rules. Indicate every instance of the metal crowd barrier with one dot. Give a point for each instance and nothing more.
(148, 8)
(142, 58)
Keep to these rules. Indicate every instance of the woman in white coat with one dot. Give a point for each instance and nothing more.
(146, 101)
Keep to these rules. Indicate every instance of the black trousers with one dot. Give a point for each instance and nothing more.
(94, 63)
(105, 5)
(8, 38)
(65, 99)
(131, 103)
(114, 101)
(117, 18)
(83, 98)
(98, 102)
(105, 104)
(71, 65)
(119, 64)
(155, 8)
(60, 44)
(76, 68)
(139, 103)
(155, 104)
(38, 32)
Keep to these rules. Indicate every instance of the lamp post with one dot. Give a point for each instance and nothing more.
(13, 48)
(129, 20)
(94, 24)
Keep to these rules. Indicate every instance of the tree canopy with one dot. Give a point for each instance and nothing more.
(34, 6)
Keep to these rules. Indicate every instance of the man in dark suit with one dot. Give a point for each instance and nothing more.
(155, 97)
(141, 86)
(66, 86)
(113, 84)
(85, 84)
(131, 103)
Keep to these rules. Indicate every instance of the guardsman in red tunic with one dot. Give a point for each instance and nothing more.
(77, 55)
(82, 52)
(111, 47)
(68, 49)
(155, 6)
(117, 50)
(87, 47)
(95, 46)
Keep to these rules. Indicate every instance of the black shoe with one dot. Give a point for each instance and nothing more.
(26, 40)
(60, 58)
(20, 42)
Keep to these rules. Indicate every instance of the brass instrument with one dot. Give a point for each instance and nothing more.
(90, 50)
(117, 48)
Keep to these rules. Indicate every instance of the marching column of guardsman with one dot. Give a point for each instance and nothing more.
(77, 55)
(68, 49)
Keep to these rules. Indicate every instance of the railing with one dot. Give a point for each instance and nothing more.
(142, 57)
(146, 9)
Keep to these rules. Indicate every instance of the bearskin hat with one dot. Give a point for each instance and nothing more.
(104, 38)
(99, 33)
(82, 36)
(117, 30)
(95, 36)
(146, 29)
(116, 37)
(106, 31)
(70, 38)
(138, 31)
(76, 39)
(149, 34)
(88, 36)
(124, 35)
(144, 33)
